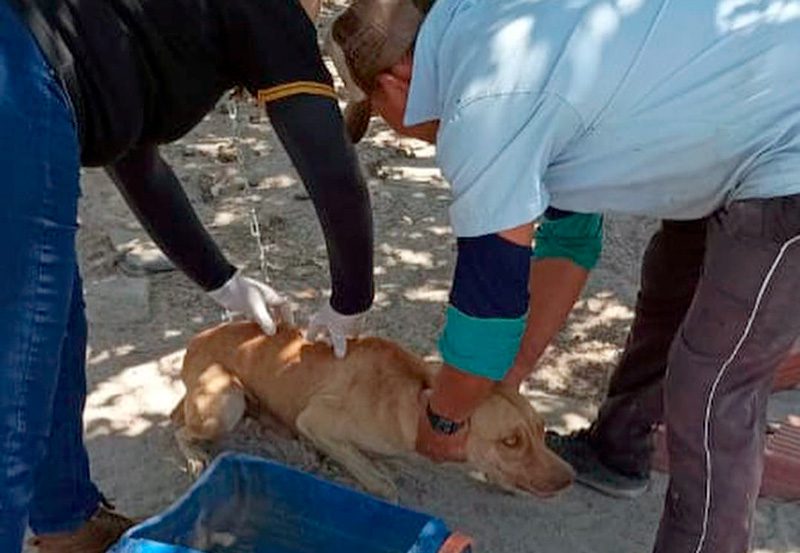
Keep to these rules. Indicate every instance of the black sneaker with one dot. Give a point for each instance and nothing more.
(576, 449)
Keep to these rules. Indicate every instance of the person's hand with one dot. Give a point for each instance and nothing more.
(334, 328)
(435, 446)
(255, 300)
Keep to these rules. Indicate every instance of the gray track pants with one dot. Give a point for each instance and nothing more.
(718, 309)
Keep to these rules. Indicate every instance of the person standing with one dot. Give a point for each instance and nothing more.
(683, 110)
(104, 83)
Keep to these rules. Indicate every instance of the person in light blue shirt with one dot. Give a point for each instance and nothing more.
(669, 109)
(686, 110)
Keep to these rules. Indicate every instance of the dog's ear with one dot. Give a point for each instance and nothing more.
(519, 401)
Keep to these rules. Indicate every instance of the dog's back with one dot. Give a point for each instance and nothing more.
(284, 371)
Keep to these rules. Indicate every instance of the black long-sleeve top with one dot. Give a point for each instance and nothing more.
(141, 73)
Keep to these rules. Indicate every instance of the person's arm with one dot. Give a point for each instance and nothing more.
(556, 284)
(271, 49)
(158, 200)
(568, 246)
(481, 337)
(311, 129)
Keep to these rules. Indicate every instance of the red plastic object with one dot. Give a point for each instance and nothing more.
(788, 375)
(660, 459)
(457, 543)
(781, 478)
(782, 463)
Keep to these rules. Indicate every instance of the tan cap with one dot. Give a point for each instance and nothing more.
(366, 39)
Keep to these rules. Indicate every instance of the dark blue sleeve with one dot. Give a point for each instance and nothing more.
(491, 278)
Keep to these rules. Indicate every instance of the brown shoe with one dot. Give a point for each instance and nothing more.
(95, 536)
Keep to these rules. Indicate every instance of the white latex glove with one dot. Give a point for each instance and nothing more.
(334, 328)
(255, 300)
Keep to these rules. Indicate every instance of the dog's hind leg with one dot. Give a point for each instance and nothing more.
(214, 404)
(318, 422)
(265, 418)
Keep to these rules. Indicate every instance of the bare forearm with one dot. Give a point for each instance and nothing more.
(555, 286)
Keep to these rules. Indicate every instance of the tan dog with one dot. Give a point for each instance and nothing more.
(365, 404)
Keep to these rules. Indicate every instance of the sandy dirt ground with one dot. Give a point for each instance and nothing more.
(141, 323)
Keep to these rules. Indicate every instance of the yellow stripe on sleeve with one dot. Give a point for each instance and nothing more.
(267, 95)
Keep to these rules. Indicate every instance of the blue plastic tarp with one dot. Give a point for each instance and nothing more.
(244, 504)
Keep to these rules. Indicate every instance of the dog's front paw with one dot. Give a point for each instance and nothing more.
(197, 458)
(385, 489)
(378, 484)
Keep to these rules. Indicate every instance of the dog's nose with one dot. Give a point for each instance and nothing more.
(559, 477)
(564, 474)
(567, 477)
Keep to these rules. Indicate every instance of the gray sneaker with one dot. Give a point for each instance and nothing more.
(576, 449)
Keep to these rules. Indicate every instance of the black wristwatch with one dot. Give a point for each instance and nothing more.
(443, 425)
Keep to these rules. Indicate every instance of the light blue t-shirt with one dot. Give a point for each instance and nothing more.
(667, 108)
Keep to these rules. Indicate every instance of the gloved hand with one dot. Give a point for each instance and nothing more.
(255, 300)
(334, 328)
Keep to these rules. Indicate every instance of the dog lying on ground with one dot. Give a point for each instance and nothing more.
(364, 405)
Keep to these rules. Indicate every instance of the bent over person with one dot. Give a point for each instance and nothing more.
(685, 110)
(103, 83)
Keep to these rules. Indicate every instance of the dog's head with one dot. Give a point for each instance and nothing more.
(506, 443)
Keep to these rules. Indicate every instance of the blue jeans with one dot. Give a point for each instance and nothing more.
(44, 468)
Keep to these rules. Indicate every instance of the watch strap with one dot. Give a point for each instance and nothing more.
(442, 425)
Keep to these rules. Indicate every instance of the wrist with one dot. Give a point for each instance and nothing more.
(526, 359)
(446, 407)
(516, 376)
(222, 280)
(227, 294)
(356, 304)
(442, 425)
(330, 308)
(456, 394)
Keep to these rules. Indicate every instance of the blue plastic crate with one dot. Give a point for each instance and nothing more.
(244, 504)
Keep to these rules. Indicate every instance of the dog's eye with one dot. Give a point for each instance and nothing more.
(512, 441)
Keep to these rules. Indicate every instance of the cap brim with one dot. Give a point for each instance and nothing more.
(356, 119)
